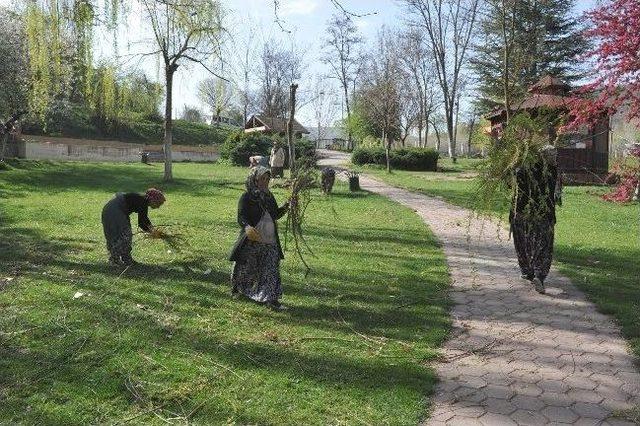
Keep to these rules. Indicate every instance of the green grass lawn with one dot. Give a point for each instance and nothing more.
(597, 243)
(164, 340)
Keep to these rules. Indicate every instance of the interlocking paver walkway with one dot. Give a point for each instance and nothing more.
(516, 357)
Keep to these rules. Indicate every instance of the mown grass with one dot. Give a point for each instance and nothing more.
(597, 243)
(164, 340)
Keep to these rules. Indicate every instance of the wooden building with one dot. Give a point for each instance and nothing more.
(583, 156)
(273, 125)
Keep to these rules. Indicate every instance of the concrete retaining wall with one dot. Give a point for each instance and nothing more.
(50, 148)
(54, 151)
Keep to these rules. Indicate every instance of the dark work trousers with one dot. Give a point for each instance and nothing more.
(533, 240)
(117, 228)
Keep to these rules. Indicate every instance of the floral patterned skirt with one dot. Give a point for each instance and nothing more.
(256, 274)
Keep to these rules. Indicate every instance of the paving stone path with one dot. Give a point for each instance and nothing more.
(516, 357)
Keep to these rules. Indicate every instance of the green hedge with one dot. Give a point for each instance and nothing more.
(239, 146)
(419, 159)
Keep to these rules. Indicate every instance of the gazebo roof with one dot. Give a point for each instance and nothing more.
(549, 92)
(550, 85)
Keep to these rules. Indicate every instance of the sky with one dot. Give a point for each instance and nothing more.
(305, 19)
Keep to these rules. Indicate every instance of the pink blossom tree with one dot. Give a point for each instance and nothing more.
(615, 37)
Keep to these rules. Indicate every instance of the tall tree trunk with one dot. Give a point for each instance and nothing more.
(420, 120)
(471, 128)
(505, 63)
(438, 141)
(346, 102)
(455, 122)
(244, 114)
(4, 143)
(168, 124)
(292, 112)
(452, 136)
(387, 149)
(426, 128)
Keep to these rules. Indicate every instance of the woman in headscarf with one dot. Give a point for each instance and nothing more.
(276, 160)
(533, 216)
(117, 226)
(257, 252)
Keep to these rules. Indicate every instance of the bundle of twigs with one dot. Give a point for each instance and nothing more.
(174, 240)
(300, 196)
(518, 149)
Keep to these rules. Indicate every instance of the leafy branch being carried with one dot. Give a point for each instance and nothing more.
(518, 150)
(300, 187)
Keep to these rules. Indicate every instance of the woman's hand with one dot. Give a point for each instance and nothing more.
(252, 233)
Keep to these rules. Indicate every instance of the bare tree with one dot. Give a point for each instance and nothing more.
(216, 93)
(324, 102)
(472, 117)
(243, 53)
(278, 69)
(449, 26)
(340, 53)
(514, 61)
(438, 124)
(417, 64)
(183, 31)
(193, 114)
(380, 90)
(409, 109)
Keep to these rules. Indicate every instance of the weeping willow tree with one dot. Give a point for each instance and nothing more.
(104, 95)
(60, 38)
(185, 31)
(13, 66)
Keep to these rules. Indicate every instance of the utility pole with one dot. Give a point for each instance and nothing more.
(292, 112)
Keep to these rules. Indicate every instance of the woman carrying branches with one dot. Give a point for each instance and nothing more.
(533, 216)
(117, 226)
(257, 251)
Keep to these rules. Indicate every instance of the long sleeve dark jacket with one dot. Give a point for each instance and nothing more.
(250, 212)
(139, 204)
(535, 193)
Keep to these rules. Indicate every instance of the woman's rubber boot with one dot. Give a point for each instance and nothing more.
(538, 285)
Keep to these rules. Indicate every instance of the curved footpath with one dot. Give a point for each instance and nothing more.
(516, 357)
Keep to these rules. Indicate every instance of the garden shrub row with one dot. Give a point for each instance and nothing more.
(239, 146)
(417, 159)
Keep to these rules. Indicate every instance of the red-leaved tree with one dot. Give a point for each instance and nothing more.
(615, 37)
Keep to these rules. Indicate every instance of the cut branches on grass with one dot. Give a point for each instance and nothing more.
(174, 239)
(300, 187)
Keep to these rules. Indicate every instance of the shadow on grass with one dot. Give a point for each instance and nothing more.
(66, 349)
(56, 177)
(349, 195)
(373, 234)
